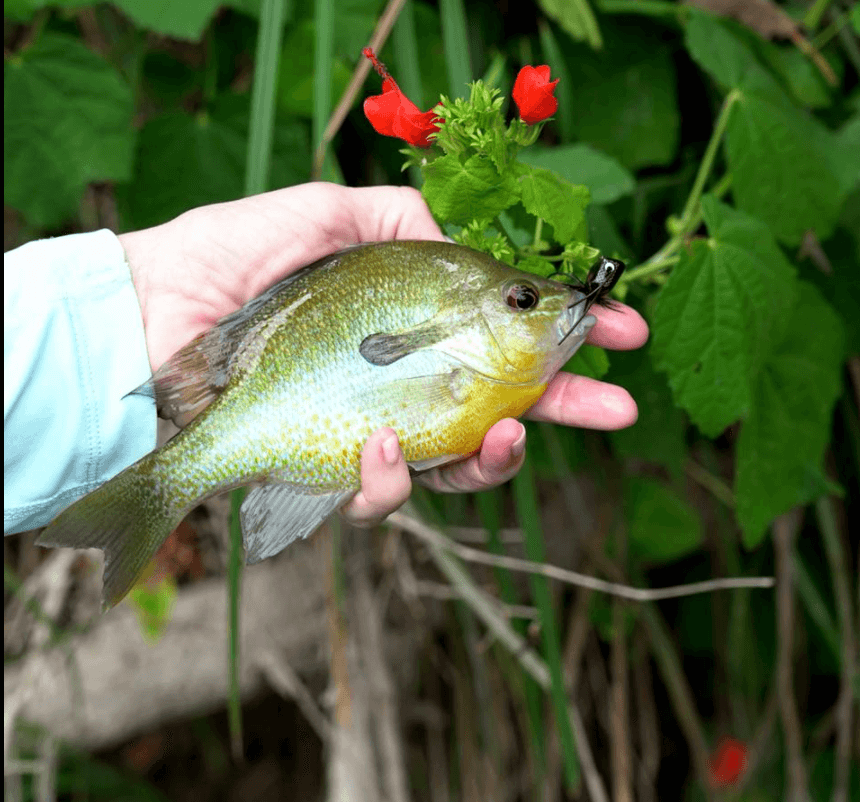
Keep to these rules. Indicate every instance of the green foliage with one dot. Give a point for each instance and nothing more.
(782, 442)
(661, 526)
(716, 316)
(66, 121)
(632, 84)
(153, 604)
(752, 296)
(188, 160)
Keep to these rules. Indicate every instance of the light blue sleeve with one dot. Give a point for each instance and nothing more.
(74, 348)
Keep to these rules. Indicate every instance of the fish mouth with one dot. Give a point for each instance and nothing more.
(574, 323)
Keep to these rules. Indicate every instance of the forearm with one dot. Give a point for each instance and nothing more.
(74, 348)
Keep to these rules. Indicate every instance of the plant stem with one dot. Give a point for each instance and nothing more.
(812, 18)
(708, 158)
(538, 232)
(272, 14)
(234, 576)
(648, 269)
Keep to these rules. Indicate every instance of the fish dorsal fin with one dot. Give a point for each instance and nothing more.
(274, 515)
(198, 373)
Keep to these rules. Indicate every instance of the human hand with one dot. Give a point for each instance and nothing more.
(208, 262)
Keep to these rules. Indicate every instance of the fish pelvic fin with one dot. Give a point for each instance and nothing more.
(126, 519)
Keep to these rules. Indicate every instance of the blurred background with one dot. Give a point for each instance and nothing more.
(392, 665)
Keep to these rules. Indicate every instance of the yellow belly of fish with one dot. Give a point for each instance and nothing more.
(485, 403)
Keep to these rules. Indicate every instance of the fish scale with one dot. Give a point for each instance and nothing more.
(432, 339)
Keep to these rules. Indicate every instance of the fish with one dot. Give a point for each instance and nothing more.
(435, 340)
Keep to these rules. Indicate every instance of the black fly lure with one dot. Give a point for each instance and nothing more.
(600, 280)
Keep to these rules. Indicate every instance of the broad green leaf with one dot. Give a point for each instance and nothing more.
(803, 78)
(658, 434)
(661, 526)
(459, 193)
(782, 441)
(183, 20)
(589, 361)
(296, 72)
(186, 161)
(624, 101)
(66, 122)
(855, 19)
(720, 314)
(558, 202)
(717, 48)
(781, 167)
(779, 156)
(605, 178)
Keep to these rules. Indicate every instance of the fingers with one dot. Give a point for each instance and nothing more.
(621, 328)
(384, 213)
(587, 403)
(385, 482)
(500, 457)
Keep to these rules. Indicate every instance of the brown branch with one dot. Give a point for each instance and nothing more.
(679, 690)
(832, 535)
(621, 759)
(647, 720)
(359, 74)
(785, 530)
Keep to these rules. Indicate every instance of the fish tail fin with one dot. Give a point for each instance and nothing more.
(126, 518)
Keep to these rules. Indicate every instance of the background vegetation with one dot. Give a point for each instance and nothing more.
(723, 160)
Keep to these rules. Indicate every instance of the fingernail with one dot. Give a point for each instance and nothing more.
(519, 445)
(391, 449)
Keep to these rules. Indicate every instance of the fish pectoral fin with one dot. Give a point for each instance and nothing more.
(384, 348)
(274, 515)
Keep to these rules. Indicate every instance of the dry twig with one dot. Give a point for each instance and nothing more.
(784, 532)
(436, 538)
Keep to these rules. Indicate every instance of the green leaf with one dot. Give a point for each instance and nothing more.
(781, 167)
(556, 201)
(780, 157)
(661, 525)
(782, 441)
(606, 179)
(185, 20)
(459, 193)
(716, 47)
(187, 161)
(720, 314)
(624, 102)
(658, 435)
(589, 361)
(66, 121)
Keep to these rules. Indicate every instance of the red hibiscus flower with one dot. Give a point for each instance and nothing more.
(533, 94)
(394, 114)
(728, 762)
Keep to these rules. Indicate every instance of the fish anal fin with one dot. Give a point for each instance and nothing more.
(274, 515)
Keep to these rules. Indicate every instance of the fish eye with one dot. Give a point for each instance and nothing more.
(522, 296)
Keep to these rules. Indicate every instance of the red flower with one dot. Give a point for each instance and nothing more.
(394, 114)
(533, 94)
(728, 762)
